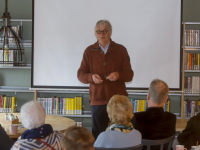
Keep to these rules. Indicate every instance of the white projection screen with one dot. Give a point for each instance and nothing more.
(149, 29)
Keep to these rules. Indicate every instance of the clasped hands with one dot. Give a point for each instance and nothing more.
(112, 77)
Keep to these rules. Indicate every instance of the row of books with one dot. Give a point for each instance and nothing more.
(7, 57)
(191, 108)
(192, 85)
(192, 61)
(8, 104)
(64, 106)
(192, 38)
(141, 105)
(17, 29)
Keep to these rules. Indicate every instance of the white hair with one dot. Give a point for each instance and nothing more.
(104, 23)
(32, 115)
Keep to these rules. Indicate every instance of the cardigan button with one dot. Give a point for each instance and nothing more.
(104, 63)
(105, 76)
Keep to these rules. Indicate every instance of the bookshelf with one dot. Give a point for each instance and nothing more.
(191, 51)
(16, 80)
(49, 93)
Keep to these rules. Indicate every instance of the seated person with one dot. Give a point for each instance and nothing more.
(5, 141)
(39, 135)
(120, 133)
(190, 136)
(154, 123)
(78, 138)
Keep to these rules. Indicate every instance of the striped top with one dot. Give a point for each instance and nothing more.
(53, 139)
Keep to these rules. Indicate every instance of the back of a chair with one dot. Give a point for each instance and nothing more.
(137, 147)
(159, 142)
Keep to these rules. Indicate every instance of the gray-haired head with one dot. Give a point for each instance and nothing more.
(158, 91)
(32, 115)
(103, 23)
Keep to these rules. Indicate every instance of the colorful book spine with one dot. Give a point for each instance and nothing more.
(13, 108)
(76, 105)
(61, 106)
(57, 105)
(135, 106)
(4, 106)
(81, 104)
(64, 106)
(53, 105)
(184, 109)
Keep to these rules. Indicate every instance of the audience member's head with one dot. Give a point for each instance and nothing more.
(120, 110)
(158, 93)
(78, 138)
(32, 115)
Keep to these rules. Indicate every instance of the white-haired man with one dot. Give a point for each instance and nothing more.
(154, 123)
(106, 67)
(39, 135)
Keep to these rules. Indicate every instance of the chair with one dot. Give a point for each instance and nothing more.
(159, 142)
(137, 147)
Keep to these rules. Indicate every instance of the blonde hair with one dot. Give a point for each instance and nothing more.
(78, 138)
(120, 110)
(32, 115)
(158, 91)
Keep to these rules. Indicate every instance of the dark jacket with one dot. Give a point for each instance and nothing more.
(96, 62)
(191, 134)
(155, 124)
(5, 141)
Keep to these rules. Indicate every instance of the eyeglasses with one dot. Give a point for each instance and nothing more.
(104, 31)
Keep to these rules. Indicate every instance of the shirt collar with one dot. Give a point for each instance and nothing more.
(104, 49)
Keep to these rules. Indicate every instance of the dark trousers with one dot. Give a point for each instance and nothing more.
(99, 119)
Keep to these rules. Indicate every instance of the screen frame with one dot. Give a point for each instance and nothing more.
(86, 87)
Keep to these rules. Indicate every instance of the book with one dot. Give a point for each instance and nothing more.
(186, 61)
(168, 105)
(192, 108)
(133, 103)
(57, 105)
(135, 106)
(188, 107)
(67, 106)
(189, 61)
(73, 106)
(1, 103)
(80, 101)
(64, 106)
(4, 104)
(198, 62)
(61, 105)
(13, 106)
(184, 109)
(186, 85)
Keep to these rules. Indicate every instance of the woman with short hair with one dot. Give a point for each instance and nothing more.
(39, 135)
(120, 133)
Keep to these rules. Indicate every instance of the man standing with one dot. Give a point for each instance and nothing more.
(106, 67)
(154, 123)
